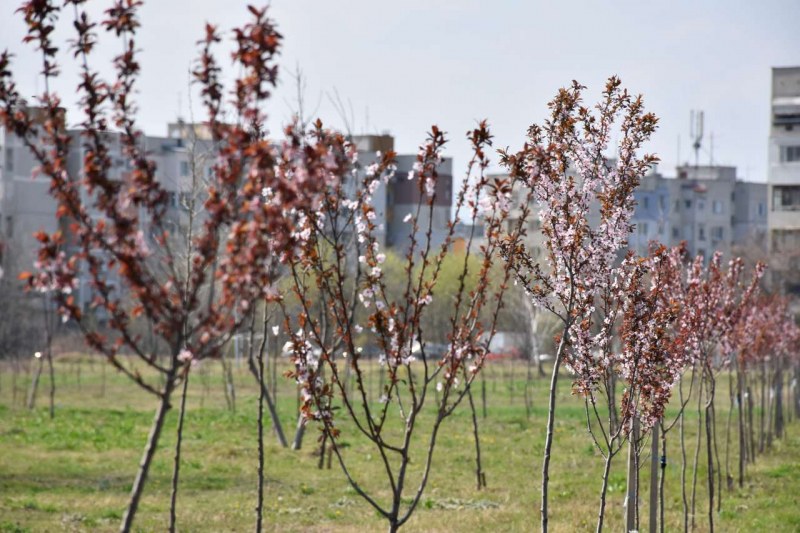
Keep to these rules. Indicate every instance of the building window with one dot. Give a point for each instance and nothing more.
(676, 233)
(661, 228)
(687, 204)
(701, 204)
(761, 209)
(643, 228)
(785, 240)
(716, 206)
(701, 232)
(717, 233)
(786, 198)
(646, 202)
(184, 168)
(677, 206)
(10, 227)
(9, 159)
(790, 154)
(701, 252)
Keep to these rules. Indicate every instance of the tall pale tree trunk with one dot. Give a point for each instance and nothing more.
(631, 493)
(654, 480)
(551, 413)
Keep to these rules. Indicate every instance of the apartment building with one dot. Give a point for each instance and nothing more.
(783, 179)
(400, 197)
(25, 203)
(708, 207)
(712, 210)
(183, 160)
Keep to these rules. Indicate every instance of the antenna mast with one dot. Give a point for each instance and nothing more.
(696, 132)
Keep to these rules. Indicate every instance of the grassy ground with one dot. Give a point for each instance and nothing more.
(74, 472)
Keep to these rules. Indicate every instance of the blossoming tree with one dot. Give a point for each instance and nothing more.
(393, 324)
(584, 204)
(115, 234)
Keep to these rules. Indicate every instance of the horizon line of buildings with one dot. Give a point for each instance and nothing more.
(707, 206)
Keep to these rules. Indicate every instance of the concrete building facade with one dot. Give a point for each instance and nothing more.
(705, 206)
(400, 197)
(26, 206)
(783, 179)
(183, 160)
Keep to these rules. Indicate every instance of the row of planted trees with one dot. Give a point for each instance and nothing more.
(288, 240)
(634, 330)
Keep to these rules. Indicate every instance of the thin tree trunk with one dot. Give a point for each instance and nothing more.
(788, 389)
(684, 463)
(762, 431)
(52, 381)
(697, 448)
(548, 443)
(631, 494)
(779, 416)
(663, 475)
(34, 387)
(728, 476)
(613, 419)
(511, 382)
(750, 423)
(637, 484)
(528, 382)
(273, 412)
(262, 395)
(710, 451)
(230, 388)
(797, 390)
(540, 366)
(48, 332)
(177, 463)
(479, 473)
(716, 456)
(654, 480)
(14, 374)
(603, 491)
(770, 399)
(147, 456)
(321, 462)
(483, 394)
(742, 439)
(274, 361)
(300, 430)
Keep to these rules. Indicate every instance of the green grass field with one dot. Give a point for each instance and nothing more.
(74, 473)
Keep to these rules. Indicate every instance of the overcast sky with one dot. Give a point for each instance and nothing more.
(402, 66)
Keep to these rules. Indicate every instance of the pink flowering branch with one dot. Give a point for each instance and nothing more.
(563, 168)
(393, 323)
(114, 232)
